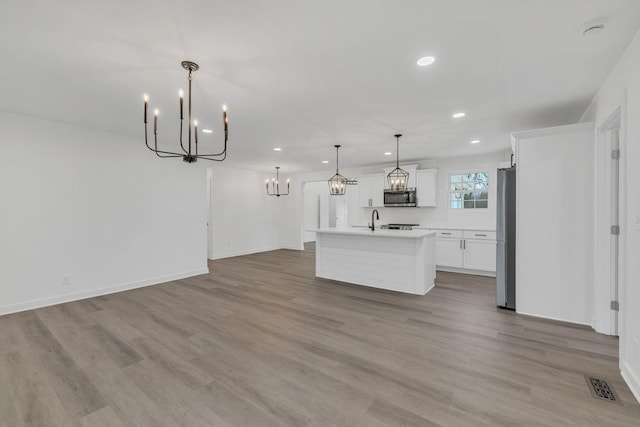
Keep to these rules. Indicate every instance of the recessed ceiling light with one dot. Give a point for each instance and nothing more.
(388, 153)
(325, 161)
(475, 141)
(458, 115)
(426, 60)
(207, 131)
(277, 149)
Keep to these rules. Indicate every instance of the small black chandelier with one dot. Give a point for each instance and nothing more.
(398, 178)
(275, 185)
(338, 183)
(190, 153)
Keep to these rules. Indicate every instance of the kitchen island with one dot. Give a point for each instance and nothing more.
(398, 260)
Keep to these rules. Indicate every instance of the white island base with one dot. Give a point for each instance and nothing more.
(398, 260)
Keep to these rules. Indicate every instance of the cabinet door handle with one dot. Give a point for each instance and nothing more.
(464, 244)
(460, 244)
(481, 235)
(448, 234)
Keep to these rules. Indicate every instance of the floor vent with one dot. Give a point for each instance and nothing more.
(601, 390)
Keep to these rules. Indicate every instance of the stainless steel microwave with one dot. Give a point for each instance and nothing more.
(400, 198)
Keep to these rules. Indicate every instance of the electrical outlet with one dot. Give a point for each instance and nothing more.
(66, 279)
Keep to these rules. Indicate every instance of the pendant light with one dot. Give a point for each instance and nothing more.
(275, 185)
(398, 178)
(190, 153)
(338, 183)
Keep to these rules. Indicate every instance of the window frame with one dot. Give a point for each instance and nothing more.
(463, 191)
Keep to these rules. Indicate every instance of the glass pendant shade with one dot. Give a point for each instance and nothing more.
(338, 183)
(398, 179)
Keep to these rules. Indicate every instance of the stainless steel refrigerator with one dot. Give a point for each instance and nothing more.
(506, 236)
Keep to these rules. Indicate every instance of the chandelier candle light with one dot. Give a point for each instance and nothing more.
(398, 178)
(338, 183)
(275, 185)
(190, 153)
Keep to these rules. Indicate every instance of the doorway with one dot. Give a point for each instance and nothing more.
(320, 210)
(608, 247)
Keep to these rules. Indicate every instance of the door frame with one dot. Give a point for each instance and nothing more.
(604, 319)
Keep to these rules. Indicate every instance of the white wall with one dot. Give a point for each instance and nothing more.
(244, 218)
(97, 206)
(621, 89)
(442, 216)
(555, 222)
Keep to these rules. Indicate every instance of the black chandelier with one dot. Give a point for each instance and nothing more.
(338, 183)
(398, 178)
(189, 154)
(275, 185)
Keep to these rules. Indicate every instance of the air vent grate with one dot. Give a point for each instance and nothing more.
(601, 390)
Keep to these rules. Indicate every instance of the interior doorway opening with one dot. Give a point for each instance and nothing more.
(321, 210)
(607, 295)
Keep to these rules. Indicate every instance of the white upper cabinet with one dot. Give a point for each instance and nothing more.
(426, 180)
(371, 190)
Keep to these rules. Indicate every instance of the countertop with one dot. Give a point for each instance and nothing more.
(360, 231)
(424, 227)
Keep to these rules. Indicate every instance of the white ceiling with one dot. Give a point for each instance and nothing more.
(306, 75)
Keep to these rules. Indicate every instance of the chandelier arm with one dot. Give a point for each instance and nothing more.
(224, 150)
(156, 149)
(204, 156)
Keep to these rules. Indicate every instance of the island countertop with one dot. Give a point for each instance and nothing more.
(397, 260)
(358, 231)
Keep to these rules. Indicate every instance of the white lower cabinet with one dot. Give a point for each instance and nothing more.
(466, 250)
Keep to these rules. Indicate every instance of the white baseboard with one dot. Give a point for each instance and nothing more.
(75, 296)
(554, 318)
(243, 252)
(632, 380)
(466, 271)
(293, 247)
(254, 251)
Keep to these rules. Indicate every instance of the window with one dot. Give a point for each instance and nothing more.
(469, 190)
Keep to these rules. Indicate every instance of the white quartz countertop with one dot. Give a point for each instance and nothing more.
(359, 231)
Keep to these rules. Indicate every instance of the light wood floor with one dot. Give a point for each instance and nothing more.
(262, 342)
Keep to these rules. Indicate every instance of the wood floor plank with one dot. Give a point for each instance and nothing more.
(260, 341)
(77, 393)
(36, 401)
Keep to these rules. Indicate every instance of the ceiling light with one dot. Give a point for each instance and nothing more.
(275, 185)
(207, 131)
(388, 153)
(338, 183)
(475, 141)
(398, 178)
(277, 149)
(458, 115)
(426, 60)
(325, 161)
(188, 154)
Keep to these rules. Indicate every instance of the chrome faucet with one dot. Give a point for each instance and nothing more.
(373, 224)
